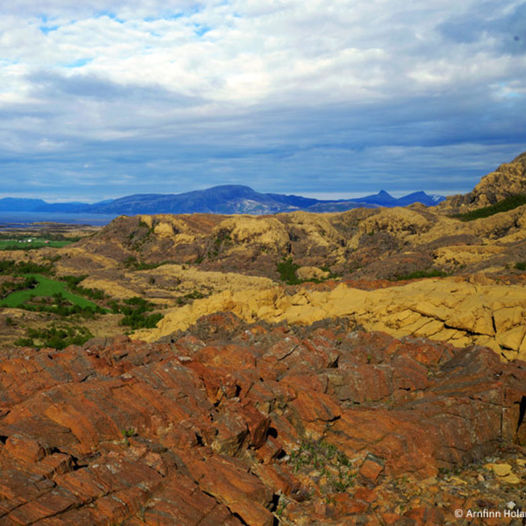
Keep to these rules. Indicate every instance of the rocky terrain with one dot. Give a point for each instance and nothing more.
(358, 367)
(231, 423)
(448, 310)
(507, 180)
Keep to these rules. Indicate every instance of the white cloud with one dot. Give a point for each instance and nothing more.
(278, 75)
(256, 50)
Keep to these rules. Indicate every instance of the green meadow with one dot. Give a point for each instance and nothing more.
(24, 244)
(46, 288)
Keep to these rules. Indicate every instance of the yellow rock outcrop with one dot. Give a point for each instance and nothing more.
(451, 310)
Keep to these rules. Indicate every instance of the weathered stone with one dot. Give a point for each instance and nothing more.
(23, 449)
(371, 469)
(174, 441)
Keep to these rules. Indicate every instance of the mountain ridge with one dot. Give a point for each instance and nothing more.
(222, 199)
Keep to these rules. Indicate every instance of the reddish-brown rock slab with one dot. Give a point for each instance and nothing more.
(48, 504)
(230, 484)
(180, 501)
(370, 470)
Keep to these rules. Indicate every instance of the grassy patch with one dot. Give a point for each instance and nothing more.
(35, 243)
(509, 203)
(19, 268)
(137, 313)
(521, 265)
(287, 272)
(45, 287)
(334, 467)
(57, 337)
(418, 274)
(8, 287)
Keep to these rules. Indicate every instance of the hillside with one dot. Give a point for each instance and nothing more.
(371, 243)
(507, 180)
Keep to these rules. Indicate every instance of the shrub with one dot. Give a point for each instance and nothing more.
(417, 274)
(194, 295)
(135, 312)
(57, 337)
(73, 285)
(17, 268)
(509, 203)
(326, 458)
(287, 271)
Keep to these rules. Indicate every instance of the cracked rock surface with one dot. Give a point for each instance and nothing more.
(232, 423)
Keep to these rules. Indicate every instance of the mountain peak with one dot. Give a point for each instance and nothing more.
(220, 199)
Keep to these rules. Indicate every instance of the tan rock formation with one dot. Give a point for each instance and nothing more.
(450, 310)
(308, 273)
(508, 179)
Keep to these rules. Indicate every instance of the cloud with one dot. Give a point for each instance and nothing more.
(346, 95)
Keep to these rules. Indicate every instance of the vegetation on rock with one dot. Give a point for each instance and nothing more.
(136, 313)
(509, 203)
(55, 336)
(287, 271)
(419, 274)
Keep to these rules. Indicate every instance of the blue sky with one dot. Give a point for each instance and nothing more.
(323, 98)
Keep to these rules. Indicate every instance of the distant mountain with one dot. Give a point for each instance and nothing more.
(67, 208)
(15, 204)
(382, 198)
(420, 197)
(225, 199)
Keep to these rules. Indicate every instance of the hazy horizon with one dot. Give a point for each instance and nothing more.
(323, 196)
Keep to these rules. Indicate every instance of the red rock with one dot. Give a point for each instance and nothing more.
(426, 516)
(269, 450)
(85, 483)
(48, 504)
(390, 518)
(231, 431)
(242, 492)
(257, 395)
(53, 464)
(371, 469)
(181, 502)
(275, 477)
(365, 494)
(314, 406)
(409, 374)
(347, 505)
(24, 449)
(258, 424)
(363, 383)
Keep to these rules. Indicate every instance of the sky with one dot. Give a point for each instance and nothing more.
(325, 98)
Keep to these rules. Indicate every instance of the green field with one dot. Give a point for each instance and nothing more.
(25, 244)
(46, 288)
